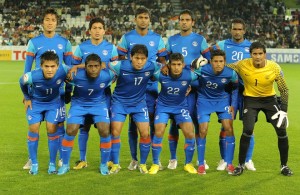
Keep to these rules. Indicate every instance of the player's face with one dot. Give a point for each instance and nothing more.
(97, 31)
(138, 61)
(176, 67)
(93, 69)
(185, 22)
(237, 32)
(142, 21)
(218, 63)
(49, 69)
(258, 57)
(50, 23)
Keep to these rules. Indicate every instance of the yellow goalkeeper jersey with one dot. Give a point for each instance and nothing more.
(259, 82)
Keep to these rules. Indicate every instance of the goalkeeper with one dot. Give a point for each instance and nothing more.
(259, 75)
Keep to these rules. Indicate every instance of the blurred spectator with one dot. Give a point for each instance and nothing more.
(266, 19)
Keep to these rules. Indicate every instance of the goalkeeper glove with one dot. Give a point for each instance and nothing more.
(282, 119)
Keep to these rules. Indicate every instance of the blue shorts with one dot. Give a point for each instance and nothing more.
(205, 108)
(99, 113)
(179, 114)
(138, 112)
(49, 112)
(62, 110)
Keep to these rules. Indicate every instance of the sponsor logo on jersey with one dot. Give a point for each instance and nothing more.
(40, 48)
(105, 52)
(184, 83)
(147, 74)
(174, 45)
(60, 46)
(195, 44)
(85, 53)
(151, 43)
(58, 81)
(247, 49)
(223, 80)
(156, 117)
(102, 85)
(29, 117)
(245, 111)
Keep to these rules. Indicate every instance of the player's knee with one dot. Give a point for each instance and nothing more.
(203, 133)
(71, 132)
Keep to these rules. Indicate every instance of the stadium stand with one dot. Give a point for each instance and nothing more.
(268, 21)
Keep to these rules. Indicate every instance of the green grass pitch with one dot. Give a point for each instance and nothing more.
(266, 180)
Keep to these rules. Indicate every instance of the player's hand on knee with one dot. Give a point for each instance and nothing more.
(27, 103)
(282, 118)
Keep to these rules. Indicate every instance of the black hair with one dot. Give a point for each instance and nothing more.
(96, 20)
(140, 49)
(176, 56)
(257, 45)
(49, 56)
(189, 12)
(217, 52)
(92, 57)
(239, 21)
(142, 10)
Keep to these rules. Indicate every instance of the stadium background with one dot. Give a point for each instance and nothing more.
(118, 14)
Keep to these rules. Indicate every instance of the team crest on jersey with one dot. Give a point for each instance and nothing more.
(105, 52)
(58, 81)
(245, 111)
(147, 74)
(29, 117)
(156, 117)
(25, 78)
(223, 80)
(151, 43)
(60, 46)
(69, 115)
(195, 44)
(247, 49)
(184, 83)
(102, 85)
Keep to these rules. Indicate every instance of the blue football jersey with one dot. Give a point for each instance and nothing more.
(234, 51)
(191, 47)
(89, 92)
(40, 44)
(131, 84)
(173, 91)
(153, 42)
(43, 90)
(214, 87)
(106, 51)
